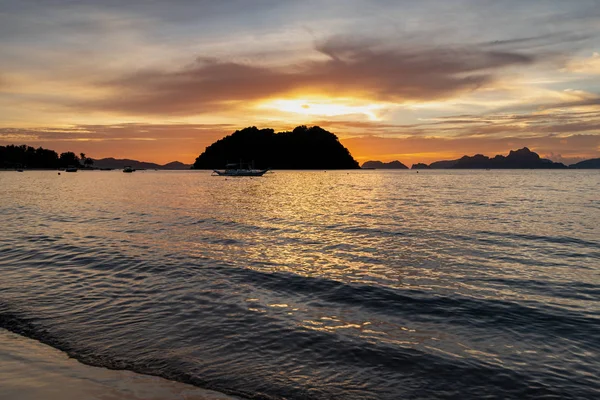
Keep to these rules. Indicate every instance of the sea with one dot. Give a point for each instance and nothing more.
(366, 284)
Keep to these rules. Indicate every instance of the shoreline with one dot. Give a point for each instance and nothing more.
(32, 370)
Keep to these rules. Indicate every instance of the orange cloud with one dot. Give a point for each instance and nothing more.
(346, 68)
(589, 65)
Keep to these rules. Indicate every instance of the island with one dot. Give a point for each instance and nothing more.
(115, 163)
(443, 164)
(381, 165)
(27, 157)
(302, 148)
(420, 166)
(516, 159)
(594, 163)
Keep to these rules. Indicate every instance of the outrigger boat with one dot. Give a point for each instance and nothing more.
(240, 169)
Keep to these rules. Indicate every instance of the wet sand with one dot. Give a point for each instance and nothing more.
(30, 370)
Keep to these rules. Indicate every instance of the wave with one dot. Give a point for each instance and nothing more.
(447, 377)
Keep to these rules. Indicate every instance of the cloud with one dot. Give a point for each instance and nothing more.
(357, 68)
(577, 117)
(590, 66)
(117, 132)
(540, 41)
(562, 159)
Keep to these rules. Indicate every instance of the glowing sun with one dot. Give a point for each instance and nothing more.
(324, 107)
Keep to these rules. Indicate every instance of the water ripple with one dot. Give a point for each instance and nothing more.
(304, 285)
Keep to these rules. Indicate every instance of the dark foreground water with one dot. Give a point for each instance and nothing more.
(314, 285)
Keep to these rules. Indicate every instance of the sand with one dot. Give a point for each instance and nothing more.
(30, 370)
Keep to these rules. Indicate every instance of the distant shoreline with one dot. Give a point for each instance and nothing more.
(310, 170)
(516, 159)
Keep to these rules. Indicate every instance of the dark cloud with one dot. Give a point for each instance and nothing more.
(547, 40)
(384, 73)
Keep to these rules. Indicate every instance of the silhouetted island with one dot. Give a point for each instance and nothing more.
(420, 166)
(24, 156)
(302, 148)
(443, 164)
(381, 165)
(28, 157)
(594, 163)
(115, 163)
(516, 159)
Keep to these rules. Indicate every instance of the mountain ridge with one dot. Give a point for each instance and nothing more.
(118, 163)
(592, 163)
(382, 165)
(522, 158)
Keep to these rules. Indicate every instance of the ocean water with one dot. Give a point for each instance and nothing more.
(314, 285)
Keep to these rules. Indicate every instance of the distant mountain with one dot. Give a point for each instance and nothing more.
(303, 148)
(587, 164)
(516, 159)
(381, 165)
(120, 163)
(420, 166)
(443, 164)
(176, 165)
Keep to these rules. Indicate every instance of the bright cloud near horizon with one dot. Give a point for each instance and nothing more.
(394, 80)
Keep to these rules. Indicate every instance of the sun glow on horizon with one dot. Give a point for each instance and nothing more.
(324, 107)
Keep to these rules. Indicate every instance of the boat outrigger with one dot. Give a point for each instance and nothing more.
(240, 169)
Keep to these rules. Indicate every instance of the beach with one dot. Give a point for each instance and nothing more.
(30, 370)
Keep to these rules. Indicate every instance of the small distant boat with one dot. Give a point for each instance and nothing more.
(128, 169)
(240, 169)
(71, 168)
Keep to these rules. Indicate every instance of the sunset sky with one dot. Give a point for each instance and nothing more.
(416, 81)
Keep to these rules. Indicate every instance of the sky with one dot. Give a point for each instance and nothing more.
(415, 81)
